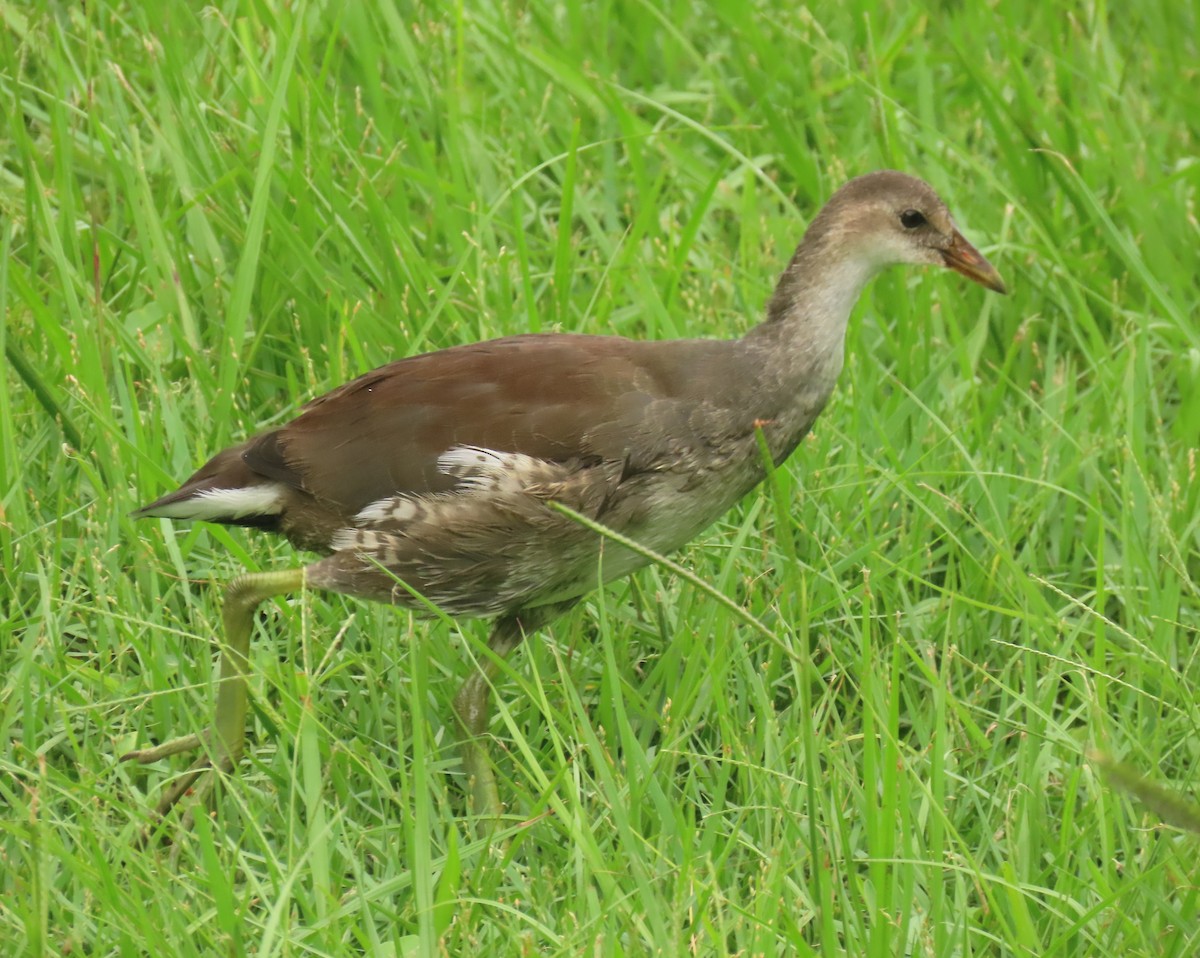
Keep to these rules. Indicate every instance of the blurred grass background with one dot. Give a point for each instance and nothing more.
(982, 564)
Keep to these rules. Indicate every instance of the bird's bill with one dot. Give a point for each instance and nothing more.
(964, 258)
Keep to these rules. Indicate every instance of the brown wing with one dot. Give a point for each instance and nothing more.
(555, 397)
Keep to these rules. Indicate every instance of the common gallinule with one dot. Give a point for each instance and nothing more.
(433, 475)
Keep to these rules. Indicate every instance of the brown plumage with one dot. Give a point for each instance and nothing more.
(433, 474)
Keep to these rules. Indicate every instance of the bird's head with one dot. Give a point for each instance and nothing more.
(888, 218)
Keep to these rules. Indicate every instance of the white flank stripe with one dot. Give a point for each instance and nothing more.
(217, 504)
(486, 470)
(391, 509)
(344, 539)
(475, 461)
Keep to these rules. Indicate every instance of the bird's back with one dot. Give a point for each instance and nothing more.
(440, 466)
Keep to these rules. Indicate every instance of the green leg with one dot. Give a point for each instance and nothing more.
(471, 708)
(222, 744)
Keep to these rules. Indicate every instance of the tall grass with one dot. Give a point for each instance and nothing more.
(982, 564)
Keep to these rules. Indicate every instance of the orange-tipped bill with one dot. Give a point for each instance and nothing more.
(964, 258)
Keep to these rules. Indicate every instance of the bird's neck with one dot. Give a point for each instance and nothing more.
(802, 340)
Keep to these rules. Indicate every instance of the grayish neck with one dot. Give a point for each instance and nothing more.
(802, 341)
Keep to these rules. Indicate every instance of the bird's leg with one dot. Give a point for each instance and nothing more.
(471, 709)
(222, 743)
(472, 712)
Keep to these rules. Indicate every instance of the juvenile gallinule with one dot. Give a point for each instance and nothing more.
(433, 474)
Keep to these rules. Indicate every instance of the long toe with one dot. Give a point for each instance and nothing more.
(146, 756)
(191, 788)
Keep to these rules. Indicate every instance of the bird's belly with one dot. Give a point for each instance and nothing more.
(491, 552)
(662, 516)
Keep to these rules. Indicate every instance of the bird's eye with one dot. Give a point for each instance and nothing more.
(911, 219)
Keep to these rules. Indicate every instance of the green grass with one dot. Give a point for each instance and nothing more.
(981, 565)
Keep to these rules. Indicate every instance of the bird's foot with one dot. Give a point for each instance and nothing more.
(146, 756)
(483, 797)
(195, 784)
